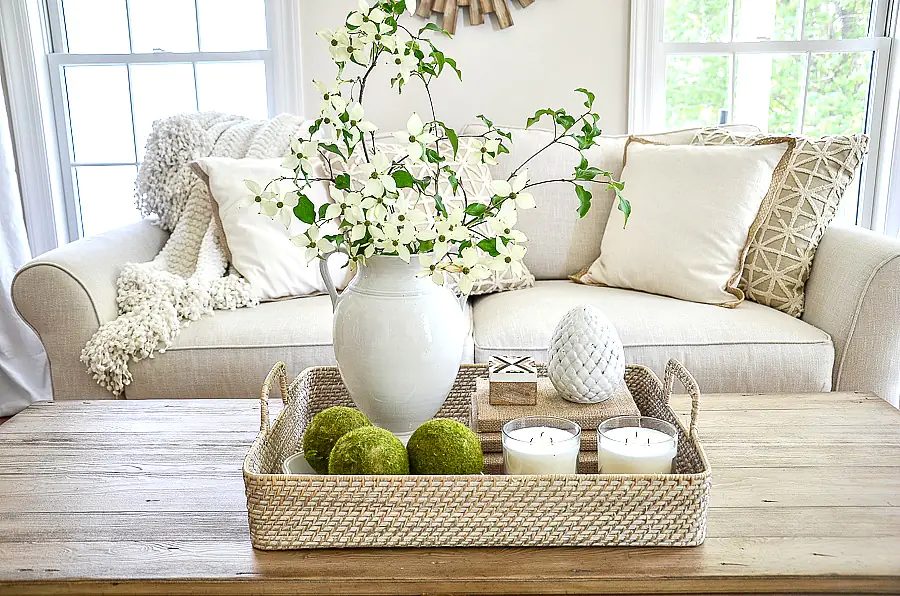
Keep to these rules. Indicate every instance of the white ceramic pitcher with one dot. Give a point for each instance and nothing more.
(398, 341)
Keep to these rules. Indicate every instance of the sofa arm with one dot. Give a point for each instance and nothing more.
(67, 293)
(853, 294)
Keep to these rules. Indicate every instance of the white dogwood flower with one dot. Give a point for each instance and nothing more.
(403, 63)
(330, 92)
(364, 221)
(285, 205)
(376, 176)
(415, 138)
(446, 231)
(313, 243)
(301, 153)
(504, 224)
(261, 201)
(432, 267)
(510, 258)
(342, 202)
(483, 152)
(406, 214)
(338, 43)
(396, 240)
(515, 189)
(470, 268)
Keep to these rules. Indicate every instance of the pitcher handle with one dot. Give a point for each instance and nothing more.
(326, 277)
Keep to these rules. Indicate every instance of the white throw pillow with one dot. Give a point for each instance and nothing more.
(260, 247)
(693, 214)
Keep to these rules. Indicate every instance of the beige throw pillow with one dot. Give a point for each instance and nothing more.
(260, 247)
(693, 211)
(476, 178)
(782, 250)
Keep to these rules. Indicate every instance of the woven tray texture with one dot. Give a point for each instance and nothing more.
(310, 511)
(488, 418)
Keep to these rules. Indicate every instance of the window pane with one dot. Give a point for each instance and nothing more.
(697, 20)
(233, 88)
(163, 25)
(106, 197)
(838, 93)
(160, 90)
(769, 91)
(99, 113)
(232, 25)
(697, 90)
(757, 20)
(85, 18)
(837, 19)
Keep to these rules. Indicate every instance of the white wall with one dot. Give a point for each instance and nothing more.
(555, 47)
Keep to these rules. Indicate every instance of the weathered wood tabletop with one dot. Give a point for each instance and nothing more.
(116, 497)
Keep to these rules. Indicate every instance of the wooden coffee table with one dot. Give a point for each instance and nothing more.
(118, 497)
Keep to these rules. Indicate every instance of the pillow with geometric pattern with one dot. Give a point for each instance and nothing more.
(781, 252)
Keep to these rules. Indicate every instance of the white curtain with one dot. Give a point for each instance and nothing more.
(24, 371)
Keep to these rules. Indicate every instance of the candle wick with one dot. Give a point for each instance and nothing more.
(635, 434)
(531, 440)
(648, 440)
(551, 440)
(626, 440)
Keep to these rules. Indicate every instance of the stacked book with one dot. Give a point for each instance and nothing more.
(487, 420)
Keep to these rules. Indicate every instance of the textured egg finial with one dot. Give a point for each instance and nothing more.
(587, 360)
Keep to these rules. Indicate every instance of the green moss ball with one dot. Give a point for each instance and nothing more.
(325, 429)
(368, 450)
(443, 446)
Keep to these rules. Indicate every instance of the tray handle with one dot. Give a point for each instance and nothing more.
(279, 372)
(675, 369)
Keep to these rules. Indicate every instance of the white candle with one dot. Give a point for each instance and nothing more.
(540, 450)
(635, 450)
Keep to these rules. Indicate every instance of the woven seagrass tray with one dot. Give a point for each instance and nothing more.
(310, 511)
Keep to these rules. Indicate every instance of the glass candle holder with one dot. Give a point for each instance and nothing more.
(541, 445)
(636, 445)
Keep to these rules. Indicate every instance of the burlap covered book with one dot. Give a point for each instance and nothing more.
(487, 418)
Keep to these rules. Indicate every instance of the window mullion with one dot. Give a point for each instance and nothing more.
(803, 21)
(804, 93)
(128, 23)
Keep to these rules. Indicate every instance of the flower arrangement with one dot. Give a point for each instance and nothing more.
(380, 210)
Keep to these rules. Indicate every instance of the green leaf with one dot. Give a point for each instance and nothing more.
(484, 119)
(476, 209)
(453, 138)
(342, 182)
(584, 200)
(590, 97)
(322, 209)
(624, 207)
(331, 147)
(435, 28)
(426, 246)
(305, 210)
(433, 156)
(454, 182)
(403, 179)
(489, 245)
(538, 115)
(454, 66)
(439, 205)
(564, 120)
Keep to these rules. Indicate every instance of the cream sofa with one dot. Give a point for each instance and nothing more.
(848, 338)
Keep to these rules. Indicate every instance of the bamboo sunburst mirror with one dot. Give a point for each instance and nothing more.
(477, 10)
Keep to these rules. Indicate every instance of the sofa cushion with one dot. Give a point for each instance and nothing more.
(751, 348)
(559, 243)
(228, 354)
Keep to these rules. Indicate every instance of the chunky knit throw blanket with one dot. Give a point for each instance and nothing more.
(191, 276)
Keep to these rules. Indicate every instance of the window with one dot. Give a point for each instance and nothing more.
(811, 67)
(118, 65)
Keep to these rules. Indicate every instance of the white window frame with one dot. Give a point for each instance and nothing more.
(647, 87)
(38, 117)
